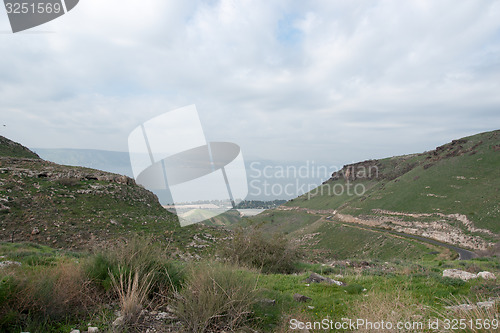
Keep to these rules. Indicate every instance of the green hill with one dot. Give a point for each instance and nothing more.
(10, 148)
(450, 194)
(74, 207)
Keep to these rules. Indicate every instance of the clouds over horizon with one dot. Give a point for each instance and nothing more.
(286, 80)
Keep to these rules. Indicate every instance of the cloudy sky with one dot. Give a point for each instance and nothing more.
(330, 81)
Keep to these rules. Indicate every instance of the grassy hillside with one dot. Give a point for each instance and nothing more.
(459, 177)
(450, 194)
(75, 208)
(10, 148)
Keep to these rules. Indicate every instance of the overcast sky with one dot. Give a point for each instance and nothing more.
(330, 81)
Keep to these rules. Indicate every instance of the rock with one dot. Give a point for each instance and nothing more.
(486, 304)
(165, 316)
(461, 307)
(75, 331)
(316, 278)
(301, 298)
(119, 321)
(92, 330)
(268, 301)
(9, 263)
(487, 275)
(35, 231)
(458, 274)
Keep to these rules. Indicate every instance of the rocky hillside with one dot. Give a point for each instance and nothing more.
(450, 194)
(72, 207)
(366, 210)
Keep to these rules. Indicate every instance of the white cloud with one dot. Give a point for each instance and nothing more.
(284, 79)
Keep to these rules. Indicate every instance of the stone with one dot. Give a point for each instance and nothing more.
(316, 278)
(461, 307)
(119, 321)
(301, 298)
(35, 231)
(165, 316)
(92, 330)
(9, 263)
(486, 304)
(458, 274)
(75, 331)
(487, 275)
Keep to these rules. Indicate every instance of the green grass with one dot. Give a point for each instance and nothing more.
(10, 148)
(398, 287)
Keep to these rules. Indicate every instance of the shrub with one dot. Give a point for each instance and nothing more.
(139, 255)
(215, 297)
(272, 254)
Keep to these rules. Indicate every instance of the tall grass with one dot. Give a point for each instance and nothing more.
(215, 298)
(132, 293)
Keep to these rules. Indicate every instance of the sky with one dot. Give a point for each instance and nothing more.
(327, 81)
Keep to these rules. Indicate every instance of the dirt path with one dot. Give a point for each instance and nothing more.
(328, 215)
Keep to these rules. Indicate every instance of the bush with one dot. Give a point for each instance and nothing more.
(215, 298)
(139, 255)
(272, 254)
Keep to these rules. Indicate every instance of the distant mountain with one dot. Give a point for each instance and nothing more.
(267, 180)
(111, 161)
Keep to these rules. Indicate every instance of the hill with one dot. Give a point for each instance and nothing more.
(9, 148)
(450, 194)
(74, 207)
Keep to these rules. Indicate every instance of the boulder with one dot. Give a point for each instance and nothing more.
(487, 275)
(458, 274)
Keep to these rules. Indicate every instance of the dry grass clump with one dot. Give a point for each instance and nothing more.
(394, 306)
(132, 291)
(215, 298)
(55, 292)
